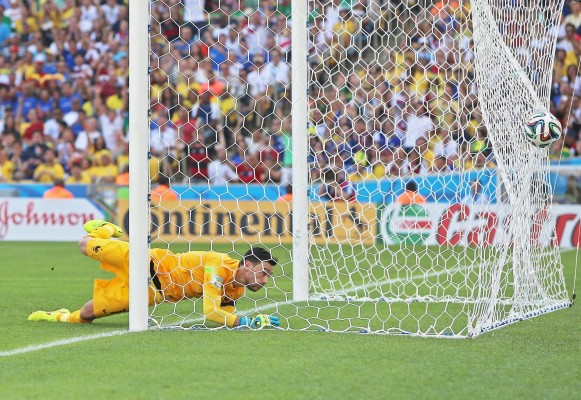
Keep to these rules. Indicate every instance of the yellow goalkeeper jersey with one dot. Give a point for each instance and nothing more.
(196, 274)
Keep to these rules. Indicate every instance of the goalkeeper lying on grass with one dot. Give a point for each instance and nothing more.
(216, 277)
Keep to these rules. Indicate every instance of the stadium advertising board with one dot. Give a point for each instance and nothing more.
(253, 221)
(471, 225)
(45, 219)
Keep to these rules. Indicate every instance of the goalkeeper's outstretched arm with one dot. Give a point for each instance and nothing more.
(225, 315)
(217, 313)
(253, 273)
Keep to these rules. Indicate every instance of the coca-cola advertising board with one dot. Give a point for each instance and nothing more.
(31, 219)
(477, 225)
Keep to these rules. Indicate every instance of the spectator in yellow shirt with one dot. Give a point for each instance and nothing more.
(50, 169)
(67, 13)
(117, 101)
(6, 167)
(344, 31)
(106, 171)
(78, 175)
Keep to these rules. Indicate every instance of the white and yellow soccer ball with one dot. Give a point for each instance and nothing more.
(543, 129)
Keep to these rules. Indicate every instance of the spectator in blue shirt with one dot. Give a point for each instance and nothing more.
(26, 100)
(45, 103)
(66, 101)
(218, 52)
(5, 30)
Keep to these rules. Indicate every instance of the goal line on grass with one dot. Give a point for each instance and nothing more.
(62, 342)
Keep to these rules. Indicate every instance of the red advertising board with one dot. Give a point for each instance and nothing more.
(478, 225)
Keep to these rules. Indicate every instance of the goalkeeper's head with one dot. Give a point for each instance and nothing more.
(255, 268)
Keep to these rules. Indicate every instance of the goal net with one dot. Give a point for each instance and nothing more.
(395, 126)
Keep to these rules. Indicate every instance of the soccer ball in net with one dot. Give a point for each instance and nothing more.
(543, 129)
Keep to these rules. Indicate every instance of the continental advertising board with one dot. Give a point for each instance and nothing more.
(338, 222)
(256, 222)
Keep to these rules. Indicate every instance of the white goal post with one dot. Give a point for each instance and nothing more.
(139, 17)
(300, 121)
(404, 122)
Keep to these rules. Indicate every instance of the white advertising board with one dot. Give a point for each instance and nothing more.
(32, 219)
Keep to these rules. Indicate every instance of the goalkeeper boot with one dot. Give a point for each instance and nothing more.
(97, 223)
(52, 316)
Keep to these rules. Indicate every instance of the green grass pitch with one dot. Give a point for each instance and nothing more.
(537, 358)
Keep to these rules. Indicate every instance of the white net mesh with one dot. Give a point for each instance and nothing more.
(524, 74)
(429, 214)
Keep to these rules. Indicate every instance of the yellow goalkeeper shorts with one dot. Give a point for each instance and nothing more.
(111, 296)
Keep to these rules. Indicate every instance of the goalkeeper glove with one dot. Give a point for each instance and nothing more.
(260, 321)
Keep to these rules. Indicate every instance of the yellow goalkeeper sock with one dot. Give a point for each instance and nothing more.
(73, 318)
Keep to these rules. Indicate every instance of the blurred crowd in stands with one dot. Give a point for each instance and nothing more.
(388, 96)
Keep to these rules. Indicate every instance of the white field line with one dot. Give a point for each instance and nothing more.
(406, 278)
(63, 342)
